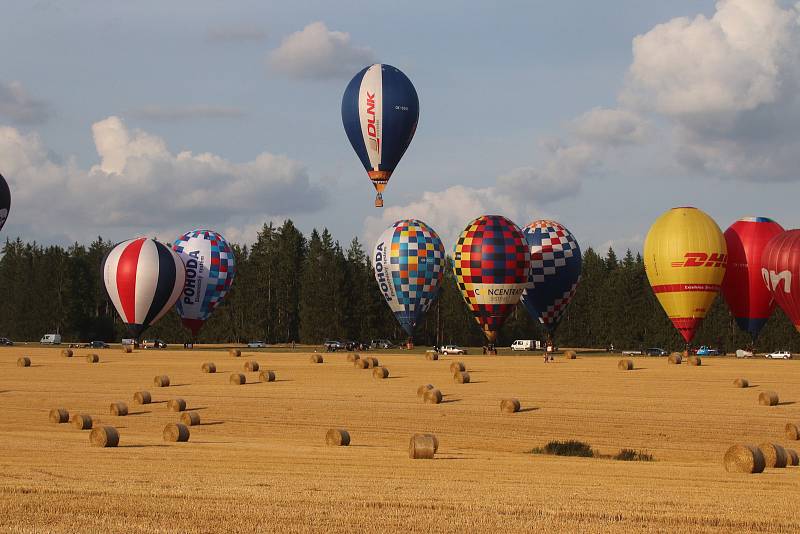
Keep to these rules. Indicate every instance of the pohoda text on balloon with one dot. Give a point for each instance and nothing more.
(193, 267)
(380, 272)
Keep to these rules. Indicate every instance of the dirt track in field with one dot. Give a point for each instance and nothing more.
(259, 460)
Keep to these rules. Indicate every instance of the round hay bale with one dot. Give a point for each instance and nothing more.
(316, 358)
(251, 366)
(118, 408)
(741, 383)
(104, 436)
(23, 362)
(266, 376)
(238, 379)
(774, 455)
(127, 349)
(792, 458)
(431, 356)
(82, 422)
(190, 418)
(236, 353)
(353, 357)
(432, 396)
(768, 398)
(142, 397)
(744, 459)
(373, 361)
(423, 388)
(175, 432)
(570, 355)
(792, 432)
(337, 437)
(161, 381)
(67, 353)
(176, 405)
(92, 358)
(435, 442)
(59, 415)
(457, 367)
(461, 377)
(695, 361)
(361, 364)
(422, 447)
(625, 365)
(675, 358)
(209, 367)
(509, 405)
(380, 372)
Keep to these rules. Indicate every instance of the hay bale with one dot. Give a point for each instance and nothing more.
(127, 349)
(142, 397)
(792, 458)
(238, 379)
(625, 365)
(251, 366)
(774, 454)
(92, 358)
(175, 432)
(741, 383)
(118, 408)
(768, 398)
(361, 364)
(431, 356)
(696, 361)
(161, 381)
(236, 353)
(67, 353)
(209, 367)
(316, 358)
(744, 459)
(423, 388)
(792, 432)
(435, 442)
(457, 367)
(266, 376)
(59, 415)
(509, 405)
(675, 358)
(432, 396)
(337, 437)
(380, 373)
(176, 405)
(23, 362)
(461, 377)
(104, 436)
(190, 418)
(373, 361)
(353, 357)
(422, 447)
(82, 422)
(570, 355)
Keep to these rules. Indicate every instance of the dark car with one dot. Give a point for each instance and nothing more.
(331, 345)
(655, 351)
(98, 345)
(6, 341)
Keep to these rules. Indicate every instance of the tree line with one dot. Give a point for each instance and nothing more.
(292, 287)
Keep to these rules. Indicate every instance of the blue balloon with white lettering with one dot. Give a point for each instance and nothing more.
(380, 110)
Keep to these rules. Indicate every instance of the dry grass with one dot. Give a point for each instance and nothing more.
(337, 437)
(175, 432)
(744, 459)
(509, 405)
(768, 398)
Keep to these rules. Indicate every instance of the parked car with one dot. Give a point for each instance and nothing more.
(453, 349)
(97, 345)
(779, 355)
(6, 341)
(381, 344)
(655, 351)
(256, 345)
(130, 341)
(706, 351)
(153, 344)
(740, 353)
(525, 344)
(331, 345)
(51, 339)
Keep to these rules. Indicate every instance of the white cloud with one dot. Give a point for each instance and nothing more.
(235, 33)
(162, 113)
(18, 106)
(318, 53)
(610, 126)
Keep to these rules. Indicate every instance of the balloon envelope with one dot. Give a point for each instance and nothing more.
(684, 257)
(210, 270)
(555, 271)
(491, 264)
(744, 290)
(5, 201)
(408, 262)
(780, 269)
(380, 110)
(143, 279)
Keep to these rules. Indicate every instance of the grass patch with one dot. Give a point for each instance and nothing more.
(631, 455)
(566, 448)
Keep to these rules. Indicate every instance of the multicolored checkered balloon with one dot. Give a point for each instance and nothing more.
(210, 269)
(408, 260)
(491, 264)
(555, 271)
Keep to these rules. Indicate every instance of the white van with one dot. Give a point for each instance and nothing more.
(51, 339)
(525, 344)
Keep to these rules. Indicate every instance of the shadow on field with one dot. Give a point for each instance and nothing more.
(212, 423)
(198, 408)
(785, 403)
(284, 380)
(393, 377)
(638, 369)
(178, 385)
(531, 409)
(138, 413)
(446, 401)
(477, 381)
(159, 402)
(139, 446)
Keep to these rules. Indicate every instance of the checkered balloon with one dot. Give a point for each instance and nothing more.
(408, 261)
(491, 264)
(210, 269)
(555, 271)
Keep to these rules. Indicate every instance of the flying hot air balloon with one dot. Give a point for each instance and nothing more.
(684, 257)
(5, 201)
(210, 269)
(555, 271)
(144, 279)
(408, 261)
(492, 265)
(744, 290)
(380, 110)
(780, 269)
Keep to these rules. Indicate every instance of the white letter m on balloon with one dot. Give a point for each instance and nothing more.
(773, 279)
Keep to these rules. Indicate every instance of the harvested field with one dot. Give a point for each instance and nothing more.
(262, 443)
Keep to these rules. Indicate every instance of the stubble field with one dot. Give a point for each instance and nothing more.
(259, 460)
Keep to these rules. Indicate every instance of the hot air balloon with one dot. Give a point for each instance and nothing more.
(780, 269)
(555, 271)
(210, 269)
(144, 279)
(380, 110)
(747, 296)
(408, 260)
(492, 265)
(5, 201)
(684, 257)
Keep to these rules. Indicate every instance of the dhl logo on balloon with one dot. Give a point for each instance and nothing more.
(773, 279)
(701, 259)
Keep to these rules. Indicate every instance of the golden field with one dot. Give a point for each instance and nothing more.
(259, 460)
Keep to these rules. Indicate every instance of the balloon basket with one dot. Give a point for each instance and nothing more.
(378, 200)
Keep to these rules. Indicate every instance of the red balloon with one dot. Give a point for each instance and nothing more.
(747, 296)
(780, 269)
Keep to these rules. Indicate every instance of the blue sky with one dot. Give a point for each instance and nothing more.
(598, 114)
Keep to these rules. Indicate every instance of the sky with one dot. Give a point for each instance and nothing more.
(152, 118)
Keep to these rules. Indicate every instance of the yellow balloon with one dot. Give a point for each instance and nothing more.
(685, 257)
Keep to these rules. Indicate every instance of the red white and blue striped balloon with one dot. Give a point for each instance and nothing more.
(144, 279)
